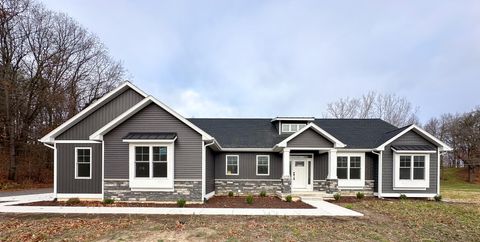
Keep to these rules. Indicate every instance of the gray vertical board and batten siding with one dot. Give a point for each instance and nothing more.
(409, 138)
(209, 170)
(188, 146)
(248, 166)
(66, 182)
(106, 113)
(310, 138)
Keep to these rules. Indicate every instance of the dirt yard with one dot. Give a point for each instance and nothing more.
(391, 220)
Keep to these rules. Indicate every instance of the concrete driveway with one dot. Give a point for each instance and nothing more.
(26, 192)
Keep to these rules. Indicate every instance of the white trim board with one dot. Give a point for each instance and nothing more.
(409, 195)
(50, 137)
(79, 195)
(422, 132)
(98, 135)
(337, 143)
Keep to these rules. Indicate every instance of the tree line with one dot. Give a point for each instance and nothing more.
(50, 68)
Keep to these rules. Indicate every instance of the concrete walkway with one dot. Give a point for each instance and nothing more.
(8, 205)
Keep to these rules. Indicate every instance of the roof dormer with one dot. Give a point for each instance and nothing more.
(290, 125)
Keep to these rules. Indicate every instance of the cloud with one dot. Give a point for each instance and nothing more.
(193, 104)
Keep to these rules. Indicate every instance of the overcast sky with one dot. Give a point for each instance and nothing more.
(279, 58)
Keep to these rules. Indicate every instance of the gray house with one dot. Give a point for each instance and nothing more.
(130, 146)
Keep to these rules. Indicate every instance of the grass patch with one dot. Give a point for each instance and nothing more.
(454, 186)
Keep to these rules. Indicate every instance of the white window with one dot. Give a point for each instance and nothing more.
(292, 128)
(351, 169)
(263, 165)
(411, 171)
(83, 163)
(232, 164)
(151, 166)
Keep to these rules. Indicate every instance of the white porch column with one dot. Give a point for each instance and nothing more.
(332, 164)
(286, 163)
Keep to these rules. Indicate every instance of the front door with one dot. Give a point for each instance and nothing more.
(299, 174)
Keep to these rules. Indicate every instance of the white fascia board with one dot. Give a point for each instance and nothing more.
(98, 135)
(414, 151)
(248, 149)
(425, 134)
(205, 135)
(337, 143)
(293, 119)
(50, 137)
(149, 140)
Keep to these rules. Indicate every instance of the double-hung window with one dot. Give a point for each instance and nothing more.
(151, 166)
(411, 171)
(83, 163)
(232, 163)
(350, 169)
(263, 165)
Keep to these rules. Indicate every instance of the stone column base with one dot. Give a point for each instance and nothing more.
(331, 186)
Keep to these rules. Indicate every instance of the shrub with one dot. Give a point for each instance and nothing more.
(337, 196)
(73, 201)
(230, 194)
(349, 206)
(249, 199)
(263, 194)
(181, 202)
(438, 198)
(403, 196)
(108, 201)
(360, 195)
(289, 198)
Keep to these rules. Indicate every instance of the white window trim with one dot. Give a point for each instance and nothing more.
(226, 165)
(268, 165)
(410, 184)
(352, 183)
(76, 162)
(149, 183)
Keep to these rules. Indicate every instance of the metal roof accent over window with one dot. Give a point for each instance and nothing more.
(414, 147)
(151, 135)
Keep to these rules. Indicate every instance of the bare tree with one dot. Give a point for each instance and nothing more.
(389, 107)
(50, 69)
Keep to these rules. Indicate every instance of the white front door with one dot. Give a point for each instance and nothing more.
(299, 174)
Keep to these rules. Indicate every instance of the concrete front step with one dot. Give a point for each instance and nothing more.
(313, 195)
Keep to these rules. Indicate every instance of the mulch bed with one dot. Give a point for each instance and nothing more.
(214, 202)
(352, 199)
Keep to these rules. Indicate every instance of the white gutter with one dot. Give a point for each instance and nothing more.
(204, 168)
(379, 179)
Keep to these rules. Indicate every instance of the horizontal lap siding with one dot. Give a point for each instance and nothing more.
(248, 166)
(188, 146)
(66, 182)
(105, 114)
(310, 138)
(410, 138)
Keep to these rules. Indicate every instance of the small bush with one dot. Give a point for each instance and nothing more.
(337, 196)
(181, 202)
(403, 196)
(108, 201)
(349, 206)
(289, 198)
(263, 194)
(438, 198)
(249, 199)
(230, 194)
(73, 201)
(360, 195)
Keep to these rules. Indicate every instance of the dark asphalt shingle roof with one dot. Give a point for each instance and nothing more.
(414, 147)
(150, 135)
(262, 133)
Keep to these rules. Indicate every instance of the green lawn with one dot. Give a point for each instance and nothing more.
(454, 186)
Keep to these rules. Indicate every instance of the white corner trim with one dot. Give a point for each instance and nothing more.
(55, 168)
(204, 169)
(337, 143)
(50, 137)
(79, 195)
(424, 133)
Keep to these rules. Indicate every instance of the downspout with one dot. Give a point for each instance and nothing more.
(204, 168)
(379, 179)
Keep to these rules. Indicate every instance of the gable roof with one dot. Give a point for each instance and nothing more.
(336, 143)
(98, 135)
(399, 132)
(262, 133)
(50, 137)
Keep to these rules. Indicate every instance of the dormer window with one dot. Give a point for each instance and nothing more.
(292, 127)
